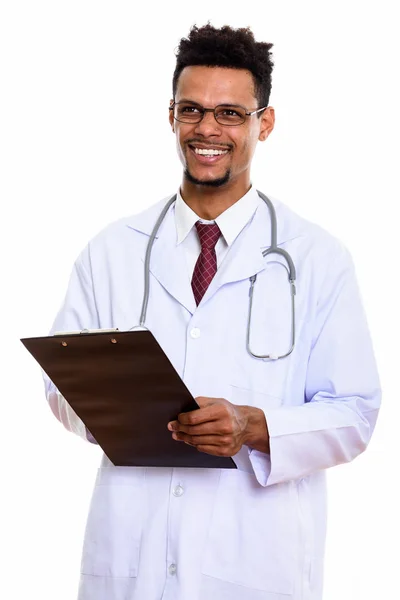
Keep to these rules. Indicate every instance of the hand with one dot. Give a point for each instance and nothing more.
(221, 428)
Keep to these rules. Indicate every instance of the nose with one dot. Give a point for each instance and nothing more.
(208, 126)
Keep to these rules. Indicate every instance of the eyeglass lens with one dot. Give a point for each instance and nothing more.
(225, 115)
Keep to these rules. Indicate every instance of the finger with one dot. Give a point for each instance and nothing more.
(178, 426)
(209, 428)
(201, 415)
(196, 440)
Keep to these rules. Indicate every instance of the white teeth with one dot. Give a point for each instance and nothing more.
(209, 152)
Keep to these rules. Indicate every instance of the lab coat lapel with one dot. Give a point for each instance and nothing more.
(167, 262)
(244, 257)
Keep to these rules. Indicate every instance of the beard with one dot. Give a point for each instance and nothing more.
(208, 182)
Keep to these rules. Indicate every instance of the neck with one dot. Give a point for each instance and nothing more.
(207, 202)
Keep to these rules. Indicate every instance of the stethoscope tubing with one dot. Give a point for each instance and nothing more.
(273, 249)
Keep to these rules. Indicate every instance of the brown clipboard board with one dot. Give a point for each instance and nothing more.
(123, 387)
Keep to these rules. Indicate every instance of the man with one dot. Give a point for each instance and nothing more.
(256, 532)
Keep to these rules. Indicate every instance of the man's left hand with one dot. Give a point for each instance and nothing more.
(221, 428)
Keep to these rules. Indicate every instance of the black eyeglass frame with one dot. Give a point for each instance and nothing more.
(213, 110)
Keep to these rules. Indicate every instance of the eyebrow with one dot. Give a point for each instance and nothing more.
(220, 104)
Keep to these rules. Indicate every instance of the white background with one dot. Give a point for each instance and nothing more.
(85, 140)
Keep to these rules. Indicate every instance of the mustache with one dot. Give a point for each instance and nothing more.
(209, 143)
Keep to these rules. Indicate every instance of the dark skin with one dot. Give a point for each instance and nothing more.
(219, 427)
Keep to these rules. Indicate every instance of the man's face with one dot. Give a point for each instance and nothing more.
(211, 86)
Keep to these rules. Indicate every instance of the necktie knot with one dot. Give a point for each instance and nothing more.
(209, 234)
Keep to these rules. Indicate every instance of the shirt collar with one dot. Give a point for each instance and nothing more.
(230, 222)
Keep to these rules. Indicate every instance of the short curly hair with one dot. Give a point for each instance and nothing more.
(227, 47)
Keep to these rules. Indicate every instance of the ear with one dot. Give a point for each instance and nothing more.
(267, 122)
(171, 117)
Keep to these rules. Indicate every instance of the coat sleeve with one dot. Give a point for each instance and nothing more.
(77, 312)
(342, 391)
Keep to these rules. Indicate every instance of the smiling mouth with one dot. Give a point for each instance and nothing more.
(209, 152)
(208, 155)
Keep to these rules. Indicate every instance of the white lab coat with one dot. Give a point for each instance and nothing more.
(255, 533)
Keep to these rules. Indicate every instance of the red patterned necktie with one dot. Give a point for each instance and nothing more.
(206, 265)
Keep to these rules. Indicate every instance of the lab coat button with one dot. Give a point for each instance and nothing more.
(178, 491)
(172, 569)
(195, 333)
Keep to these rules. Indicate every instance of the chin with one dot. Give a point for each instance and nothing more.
(208, 182)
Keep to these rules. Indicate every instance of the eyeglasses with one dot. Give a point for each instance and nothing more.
(225, 114)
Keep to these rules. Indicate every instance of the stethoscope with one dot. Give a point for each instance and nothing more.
(273, 249)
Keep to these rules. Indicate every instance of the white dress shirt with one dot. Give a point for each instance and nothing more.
(230, 222)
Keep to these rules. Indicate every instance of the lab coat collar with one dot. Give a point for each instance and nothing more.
(244, 258)
(288, 226)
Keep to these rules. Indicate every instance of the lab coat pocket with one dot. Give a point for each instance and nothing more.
(253, 534)
(114, 526)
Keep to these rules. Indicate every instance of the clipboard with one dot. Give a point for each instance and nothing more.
(123, 387)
